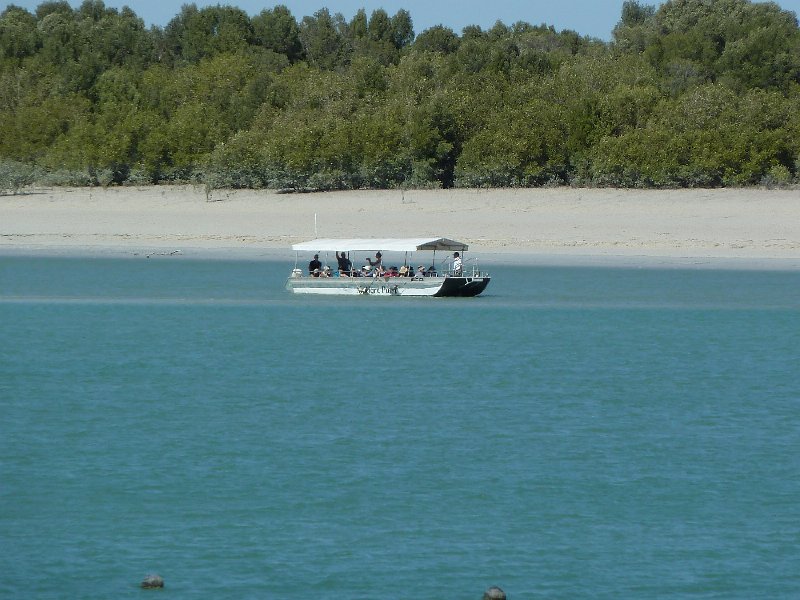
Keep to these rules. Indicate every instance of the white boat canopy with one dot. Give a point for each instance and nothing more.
(385, 244)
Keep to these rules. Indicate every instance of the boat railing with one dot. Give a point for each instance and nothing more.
(469, 268)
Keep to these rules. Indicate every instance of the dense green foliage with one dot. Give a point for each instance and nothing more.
(695, 93)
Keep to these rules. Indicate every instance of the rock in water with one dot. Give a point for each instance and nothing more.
(494, 593)
(153, 581)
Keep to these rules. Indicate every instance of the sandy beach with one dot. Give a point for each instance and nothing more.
(732, 227)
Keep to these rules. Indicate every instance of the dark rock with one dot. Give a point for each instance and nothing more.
(153, 581)
(494, 593)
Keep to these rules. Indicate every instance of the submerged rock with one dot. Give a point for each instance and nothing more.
(494, 593)
(153, 581)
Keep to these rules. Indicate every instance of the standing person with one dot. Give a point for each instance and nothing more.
(456, 264)
(345, 266)
(314, 265)
(377, 263)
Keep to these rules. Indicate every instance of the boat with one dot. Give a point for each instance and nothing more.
(454, 276)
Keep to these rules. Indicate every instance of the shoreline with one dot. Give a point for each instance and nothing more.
(487, 259)
(717, 228)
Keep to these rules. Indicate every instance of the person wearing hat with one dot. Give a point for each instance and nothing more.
(420, 272)
(314, 265)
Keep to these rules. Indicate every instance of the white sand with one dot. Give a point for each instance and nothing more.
(739, 227)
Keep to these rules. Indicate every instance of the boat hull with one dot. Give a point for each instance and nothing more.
(388, 286)
(462, 287)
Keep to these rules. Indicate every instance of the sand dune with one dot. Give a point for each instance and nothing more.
(750, 226)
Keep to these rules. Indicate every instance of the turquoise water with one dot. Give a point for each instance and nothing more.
(573, 433)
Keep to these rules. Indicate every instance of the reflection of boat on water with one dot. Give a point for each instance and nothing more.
(383, 280)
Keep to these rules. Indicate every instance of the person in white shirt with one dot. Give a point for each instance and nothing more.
(456, 264)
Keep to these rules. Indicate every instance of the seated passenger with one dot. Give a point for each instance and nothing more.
(420, 272)
(403, 272)
(431, 271)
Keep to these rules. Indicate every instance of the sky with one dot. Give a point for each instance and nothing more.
(595, 18)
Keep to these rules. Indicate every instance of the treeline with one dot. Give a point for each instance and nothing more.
(696, 93)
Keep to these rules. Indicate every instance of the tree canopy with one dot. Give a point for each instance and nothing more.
(693, 93)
